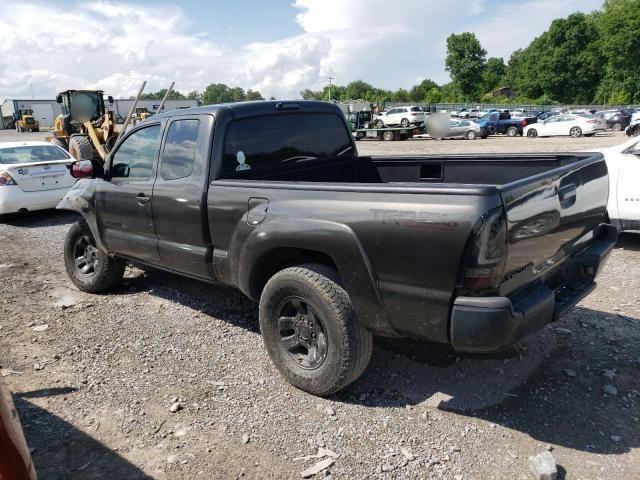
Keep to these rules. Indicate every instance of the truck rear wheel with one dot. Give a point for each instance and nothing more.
(80, 147)
(89, 268)
(310, 330)
(512, 131)
(388, 136)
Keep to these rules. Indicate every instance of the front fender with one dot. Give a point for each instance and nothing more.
(333, 239)
(81, 198)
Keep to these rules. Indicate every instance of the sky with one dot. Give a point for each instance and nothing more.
(278, 47)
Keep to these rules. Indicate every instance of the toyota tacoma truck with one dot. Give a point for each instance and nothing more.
(475, 251)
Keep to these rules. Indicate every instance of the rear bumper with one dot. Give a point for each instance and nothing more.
(489, 324)
(13, 199)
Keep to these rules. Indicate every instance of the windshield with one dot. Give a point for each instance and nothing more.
(38, 153)
(276, 140)
(84, 106)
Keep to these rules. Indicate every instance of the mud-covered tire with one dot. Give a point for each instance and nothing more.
(347, 346)
(103, 273)
(59, 142)
(80, 147)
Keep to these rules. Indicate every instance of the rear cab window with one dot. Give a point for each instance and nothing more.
(278, 141)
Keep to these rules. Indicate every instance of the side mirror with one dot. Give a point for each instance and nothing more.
(110, 99)
(82, 169)
(120, 170)
(59, 98)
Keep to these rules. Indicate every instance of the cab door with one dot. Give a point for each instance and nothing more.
(179, 196)
(124, 202)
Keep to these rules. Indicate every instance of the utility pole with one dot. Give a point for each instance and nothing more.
(31, 85)
(330, 80)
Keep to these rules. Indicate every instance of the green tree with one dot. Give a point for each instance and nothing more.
(466, 63)
(159, 95)
(308, 94)
(253, 95)
(494, 73)
(418, 93)
(194, 95)
(565, 62)
(620, 38)
(358, 90)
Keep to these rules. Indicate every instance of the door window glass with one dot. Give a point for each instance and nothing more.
(135, 157)
(179, 153)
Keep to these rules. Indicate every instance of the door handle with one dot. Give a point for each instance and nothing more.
(142, 198)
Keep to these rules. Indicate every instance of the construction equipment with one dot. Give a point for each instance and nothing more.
(142, 113)
(25, 122)
(85, 128)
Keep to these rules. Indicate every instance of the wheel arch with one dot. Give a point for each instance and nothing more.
(282, 243)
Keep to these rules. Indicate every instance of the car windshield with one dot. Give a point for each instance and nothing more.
(29, 154)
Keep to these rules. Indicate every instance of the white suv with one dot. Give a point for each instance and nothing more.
(403, 116)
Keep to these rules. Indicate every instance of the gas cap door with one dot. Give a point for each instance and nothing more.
(257, 210)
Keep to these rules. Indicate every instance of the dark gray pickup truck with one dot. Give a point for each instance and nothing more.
(272, 198)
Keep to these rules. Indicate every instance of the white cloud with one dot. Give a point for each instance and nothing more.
(114, 45)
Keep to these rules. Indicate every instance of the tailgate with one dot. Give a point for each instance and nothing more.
(551, 216)
(36, 177)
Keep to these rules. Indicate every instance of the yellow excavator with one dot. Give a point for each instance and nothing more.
(25, 122)
(85, 128)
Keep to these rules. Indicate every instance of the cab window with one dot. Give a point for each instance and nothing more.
(179, 153)
(135, 157)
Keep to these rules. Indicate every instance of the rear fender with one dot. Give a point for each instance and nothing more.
(81, 198)
(335, 240)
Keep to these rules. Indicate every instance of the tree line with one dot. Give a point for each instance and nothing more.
(580, 59)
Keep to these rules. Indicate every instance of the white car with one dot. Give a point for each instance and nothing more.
(33, 176)
(565, 124)
(623, 163)
(403, 116)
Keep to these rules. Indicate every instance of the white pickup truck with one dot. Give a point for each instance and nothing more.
(623, 162)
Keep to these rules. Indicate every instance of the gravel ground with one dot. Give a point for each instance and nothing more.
(95, 376)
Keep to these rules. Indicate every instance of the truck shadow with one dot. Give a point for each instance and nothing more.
(525, 388)
(60, 450)
(629, 241)
(41, 218)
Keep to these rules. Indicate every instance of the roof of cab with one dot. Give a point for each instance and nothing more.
(258, 107)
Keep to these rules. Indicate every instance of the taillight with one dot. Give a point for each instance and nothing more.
(485, 254)
(5, 179)
(523, 122)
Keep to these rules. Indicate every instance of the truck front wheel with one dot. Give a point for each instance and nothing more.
(89, 268)
(310, 330)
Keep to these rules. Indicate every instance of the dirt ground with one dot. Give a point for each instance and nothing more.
(94, 376)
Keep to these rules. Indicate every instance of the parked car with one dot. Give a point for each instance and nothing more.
(565, 124)
(33, 176)
(403, 116)
(501, 122)
(468, 113)
(460, 129)
(616, 120)
(15, 458)
(623, 163)
(633, 130)
(278, 204)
